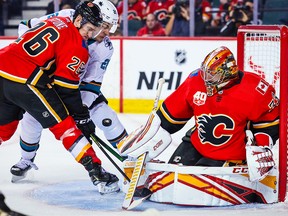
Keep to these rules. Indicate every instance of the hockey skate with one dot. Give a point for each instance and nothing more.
(106, 182)
(19, 170)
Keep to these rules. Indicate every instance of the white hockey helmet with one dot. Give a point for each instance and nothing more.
(109, 13)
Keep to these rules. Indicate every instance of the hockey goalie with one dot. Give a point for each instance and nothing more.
(226, 158)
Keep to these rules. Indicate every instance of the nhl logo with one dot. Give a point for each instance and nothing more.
(45, 114)
(180, 57)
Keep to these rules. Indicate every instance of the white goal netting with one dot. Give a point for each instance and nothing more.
(262, 56)
(263, 50)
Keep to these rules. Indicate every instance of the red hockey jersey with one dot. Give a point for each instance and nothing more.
(221, 120)
(160, 9)
(136, 10)
(55, 41)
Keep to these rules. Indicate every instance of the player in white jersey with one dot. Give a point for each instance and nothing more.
(100, 52)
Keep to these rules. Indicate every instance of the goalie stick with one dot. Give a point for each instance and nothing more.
(129, 203)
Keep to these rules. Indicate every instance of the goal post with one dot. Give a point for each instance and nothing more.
(263, 49)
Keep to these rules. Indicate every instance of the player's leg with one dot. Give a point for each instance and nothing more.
(107, 120)
(7, 129)
(82, 151)
(10, 114)
(51, 113)
(31, 131)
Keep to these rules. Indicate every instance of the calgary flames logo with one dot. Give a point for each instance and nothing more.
(215, 129)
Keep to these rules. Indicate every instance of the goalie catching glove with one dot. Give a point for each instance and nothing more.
(259, 159)
(151, 138)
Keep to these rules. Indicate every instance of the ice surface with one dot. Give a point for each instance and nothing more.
(62, 187)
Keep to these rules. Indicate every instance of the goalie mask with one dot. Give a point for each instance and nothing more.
(219, 68)
(109, 13)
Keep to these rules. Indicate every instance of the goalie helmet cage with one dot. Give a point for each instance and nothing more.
(263, 49)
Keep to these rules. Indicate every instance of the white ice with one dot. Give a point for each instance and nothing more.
(62, 187)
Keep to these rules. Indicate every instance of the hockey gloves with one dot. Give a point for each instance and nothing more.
(151, 138)
(84, 123)
(259, 159)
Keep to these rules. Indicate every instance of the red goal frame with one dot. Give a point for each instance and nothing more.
(283, 90)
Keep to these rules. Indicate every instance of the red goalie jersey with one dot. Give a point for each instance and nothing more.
(221, 119)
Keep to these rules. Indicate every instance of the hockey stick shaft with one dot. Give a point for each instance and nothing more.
(158, 93)
(140, 160)
(93, 137)
(108, 148)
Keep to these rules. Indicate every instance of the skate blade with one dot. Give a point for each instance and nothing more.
(17, 178)
(104, 189)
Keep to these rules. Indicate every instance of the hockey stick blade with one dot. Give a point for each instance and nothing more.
(128, 200)
(138, 202)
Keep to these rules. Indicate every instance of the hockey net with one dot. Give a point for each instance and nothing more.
(263, 50)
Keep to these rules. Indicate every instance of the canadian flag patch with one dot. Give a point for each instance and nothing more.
(262, 87)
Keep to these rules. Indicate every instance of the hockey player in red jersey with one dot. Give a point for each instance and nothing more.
(100, 52)
(225, 102)
(29, 83)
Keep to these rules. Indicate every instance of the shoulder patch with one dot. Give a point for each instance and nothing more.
(262, 87)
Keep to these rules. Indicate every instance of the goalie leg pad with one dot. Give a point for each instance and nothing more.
(208, 186)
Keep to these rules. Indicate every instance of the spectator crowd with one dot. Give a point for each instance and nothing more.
(172, 17)
(212, 17)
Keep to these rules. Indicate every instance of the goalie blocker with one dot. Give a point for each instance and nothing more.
(151, 138)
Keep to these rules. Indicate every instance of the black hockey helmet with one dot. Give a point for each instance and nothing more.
(90, 12)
